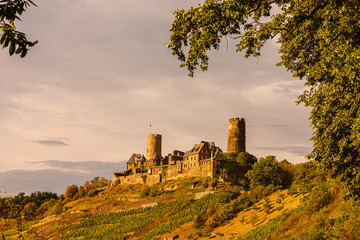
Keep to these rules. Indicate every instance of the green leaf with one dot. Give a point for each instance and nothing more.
(24, 52)
(2, 40)
(31, 44)
(6, 43)
(18, 50)
(12, 48)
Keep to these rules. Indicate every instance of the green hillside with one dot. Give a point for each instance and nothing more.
(312, 207)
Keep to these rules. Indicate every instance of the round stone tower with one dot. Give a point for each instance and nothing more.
(236, 136)
(153, 146)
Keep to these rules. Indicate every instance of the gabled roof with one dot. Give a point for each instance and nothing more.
(156, 157)
(136, 157)
(217, 154)
(198, 147)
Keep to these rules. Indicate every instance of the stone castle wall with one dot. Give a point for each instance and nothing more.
(137, 179)
(236, 135)
(204, 170)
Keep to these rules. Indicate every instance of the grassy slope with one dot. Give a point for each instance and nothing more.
(256, 216)
(173, 208)
(245, 220)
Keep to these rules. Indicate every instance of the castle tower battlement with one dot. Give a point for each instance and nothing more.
(236, 135)
(153, 146)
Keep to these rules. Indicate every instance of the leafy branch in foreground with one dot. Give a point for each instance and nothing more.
(319, 42)
(16, 41)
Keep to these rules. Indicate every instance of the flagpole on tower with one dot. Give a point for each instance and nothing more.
(150, 126)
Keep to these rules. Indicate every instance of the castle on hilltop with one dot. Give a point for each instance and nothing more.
(203, 159)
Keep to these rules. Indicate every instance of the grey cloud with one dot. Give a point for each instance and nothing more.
(290, 90)
(84, 166)
(296, 150)
(56, 180)
(52, 142)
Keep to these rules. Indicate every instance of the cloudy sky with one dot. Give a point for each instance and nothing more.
(81, 101)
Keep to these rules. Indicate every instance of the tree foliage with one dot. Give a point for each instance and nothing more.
(29, 211)
(318, 42)
(86, 186)
(71, 191)
(20, 201)
(246, 159)
(236, 165)
(10, 11)
(267, 172)
(98, 182)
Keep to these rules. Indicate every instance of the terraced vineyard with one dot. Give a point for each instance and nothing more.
(188, 208)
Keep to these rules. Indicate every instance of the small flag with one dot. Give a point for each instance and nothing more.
(150, 125)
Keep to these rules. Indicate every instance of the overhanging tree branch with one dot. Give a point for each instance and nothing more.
(10, 10)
